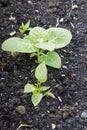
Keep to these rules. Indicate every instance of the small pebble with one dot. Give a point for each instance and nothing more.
(84, 115)
(63, 75)
(66, 115)
(29, 2)
(51, 95)
(61, 20)
(74, 7)
(65, 67)
(59, 98)
(20, 109)
(11, 18)
(13, 33)
(53, 126)
(37, 11)
(85, 78)
(72, 25)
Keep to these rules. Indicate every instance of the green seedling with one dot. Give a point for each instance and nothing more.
(25, 27)
(38, 90)
(41, 43)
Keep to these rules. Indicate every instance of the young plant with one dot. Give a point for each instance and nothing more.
(25, 27)
(41, 43)
(38, 90)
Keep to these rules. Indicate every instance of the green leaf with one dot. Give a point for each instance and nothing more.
(27, 24)
(51, 59)
(33, 55)
(36, 35)
(16, 44)
(41, 72)
(36, 98)
(24, 27)
(59, 36)
(46, 46)
(28, 88)
(44, 88)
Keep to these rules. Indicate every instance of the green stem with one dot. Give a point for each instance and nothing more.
(38, 85)
(38, 54)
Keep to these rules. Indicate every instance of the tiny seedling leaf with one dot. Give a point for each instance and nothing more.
(27, 24)
(44, 88)
(51, 59)
(41, 72)
(24, 27)
(36, 98)
(29, 88)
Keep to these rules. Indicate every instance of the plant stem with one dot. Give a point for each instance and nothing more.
(38, 85)
(39, 53)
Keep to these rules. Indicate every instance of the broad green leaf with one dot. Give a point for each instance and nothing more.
(41, 72)
(59, 36)
(27, 37)
(28, 88)
(46, 46)
(36, 98)
(51, 59)
(36, 35)
(44, 88)
(16, 44)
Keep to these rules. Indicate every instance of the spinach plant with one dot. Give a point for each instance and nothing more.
(38, 90)
(41, 43)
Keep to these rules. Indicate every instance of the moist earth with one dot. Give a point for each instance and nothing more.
(68, 110)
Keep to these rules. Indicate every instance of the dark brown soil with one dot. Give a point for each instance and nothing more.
(69, 83)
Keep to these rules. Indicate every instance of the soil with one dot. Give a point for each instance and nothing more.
(68, 110)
